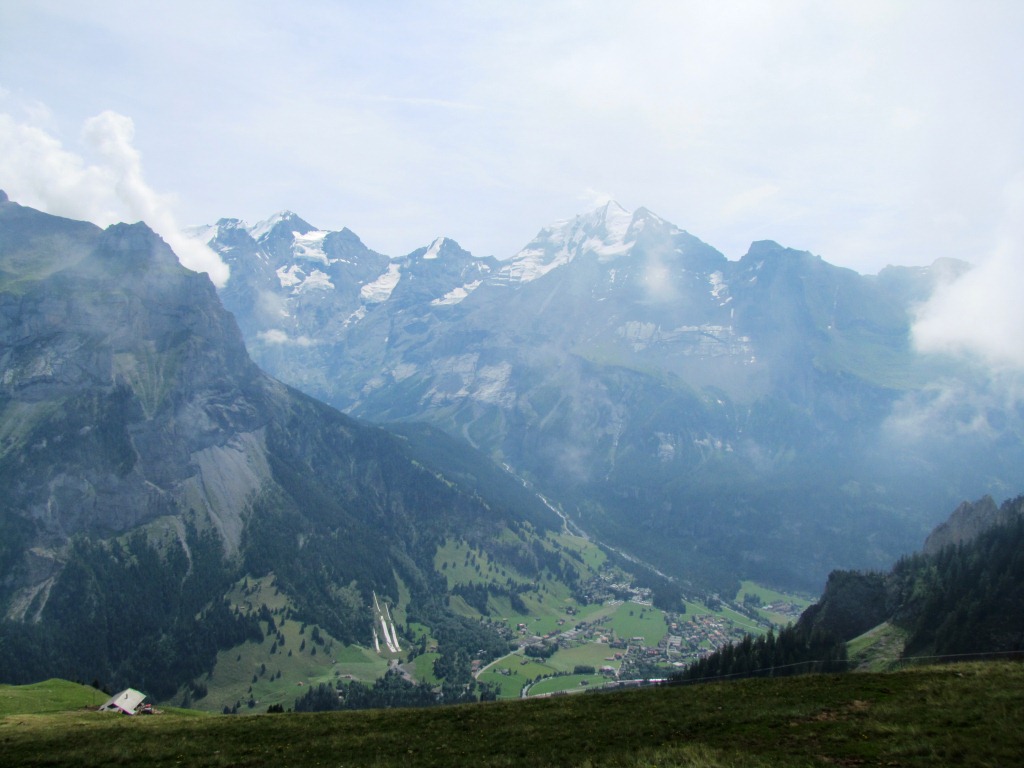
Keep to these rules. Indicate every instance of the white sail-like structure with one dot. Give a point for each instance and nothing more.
(387, 636)
(394, 638)
(387, 627)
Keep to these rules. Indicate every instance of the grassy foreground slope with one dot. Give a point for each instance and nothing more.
(966, 714)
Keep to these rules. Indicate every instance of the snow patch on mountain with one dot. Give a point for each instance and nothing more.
(455, 295)
(295, 277)
(355, 317)
(316, 281)
(611, 238)
(719, 288)
(290, 276)
(380, 289)
(264, 227)
(604, 233)
(531, 263)
(434, 249)
(310, 246)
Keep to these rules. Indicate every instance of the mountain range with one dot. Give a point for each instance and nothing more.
(721, 419)
(150, 470)
(173, 516)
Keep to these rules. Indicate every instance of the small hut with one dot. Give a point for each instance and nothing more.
(129, 701)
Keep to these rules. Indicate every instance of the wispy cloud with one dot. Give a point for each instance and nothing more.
(36, 170)
(974, 320)
(276, 336)
(980, 315)
(869, 132)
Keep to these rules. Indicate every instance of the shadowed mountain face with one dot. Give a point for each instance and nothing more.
(147, 464)
(766, 417)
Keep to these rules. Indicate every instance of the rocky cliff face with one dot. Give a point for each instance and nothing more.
(128, 402)
(149, 467)
(126, 395)
(968, 521)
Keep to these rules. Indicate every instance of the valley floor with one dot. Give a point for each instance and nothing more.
(965, 714)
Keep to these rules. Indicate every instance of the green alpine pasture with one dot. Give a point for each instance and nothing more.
(48, 696)
(963, 714)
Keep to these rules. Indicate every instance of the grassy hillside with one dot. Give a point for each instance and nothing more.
(48, 696)
(964, 714)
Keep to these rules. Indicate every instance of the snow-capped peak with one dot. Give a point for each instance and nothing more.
(615, 219)
(204, 233)
(604, 232)
(265, 227)
(435, 248)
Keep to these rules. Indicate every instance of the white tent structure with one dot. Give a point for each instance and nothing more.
(127, 701)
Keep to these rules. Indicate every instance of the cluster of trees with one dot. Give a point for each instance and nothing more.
(151, 614)
(477, 595)
(457, 633)
(966, 598)
(392, 690)
(129, 613)
(540, 650)
(791, 652)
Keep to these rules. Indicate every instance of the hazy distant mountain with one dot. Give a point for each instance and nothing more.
(149, 467)
(721, 418)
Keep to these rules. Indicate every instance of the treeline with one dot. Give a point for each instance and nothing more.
(392, 690)
(966, 598)
(477, 595)
(791, 652)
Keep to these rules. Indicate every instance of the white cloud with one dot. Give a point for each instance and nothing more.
(278, 337)
(593, 198)
(980, 315)
(974, 319)
(37, 171)
(869, 132)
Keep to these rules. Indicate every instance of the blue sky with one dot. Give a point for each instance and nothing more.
(866, 132)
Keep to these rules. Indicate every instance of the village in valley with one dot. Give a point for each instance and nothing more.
(619, 638)
(600, 630)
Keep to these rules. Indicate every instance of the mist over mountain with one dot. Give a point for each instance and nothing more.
(767, 417)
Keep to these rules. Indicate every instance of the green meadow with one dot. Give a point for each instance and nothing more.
(963, 714)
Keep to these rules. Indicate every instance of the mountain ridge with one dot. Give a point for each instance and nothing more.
(649, 384)
(151, 469)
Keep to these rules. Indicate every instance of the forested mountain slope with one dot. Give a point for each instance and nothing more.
(961, 600)
(149, 469)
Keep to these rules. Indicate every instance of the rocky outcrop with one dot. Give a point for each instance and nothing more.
(126, 392)
(967, 522)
